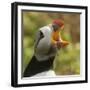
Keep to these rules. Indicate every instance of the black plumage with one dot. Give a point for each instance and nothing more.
(35, 66)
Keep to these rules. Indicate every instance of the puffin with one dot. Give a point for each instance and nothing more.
(47, 43)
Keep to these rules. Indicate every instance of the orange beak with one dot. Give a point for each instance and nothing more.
(62, 27)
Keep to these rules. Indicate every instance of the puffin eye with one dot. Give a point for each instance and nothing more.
(55, 30)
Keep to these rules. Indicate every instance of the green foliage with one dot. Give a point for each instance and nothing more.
(68, 61)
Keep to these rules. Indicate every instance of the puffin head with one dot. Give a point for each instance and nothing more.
(58, 24)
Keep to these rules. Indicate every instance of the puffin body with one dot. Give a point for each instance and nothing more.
(44, 53)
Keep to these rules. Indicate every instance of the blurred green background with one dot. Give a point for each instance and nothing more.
(67, 61)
